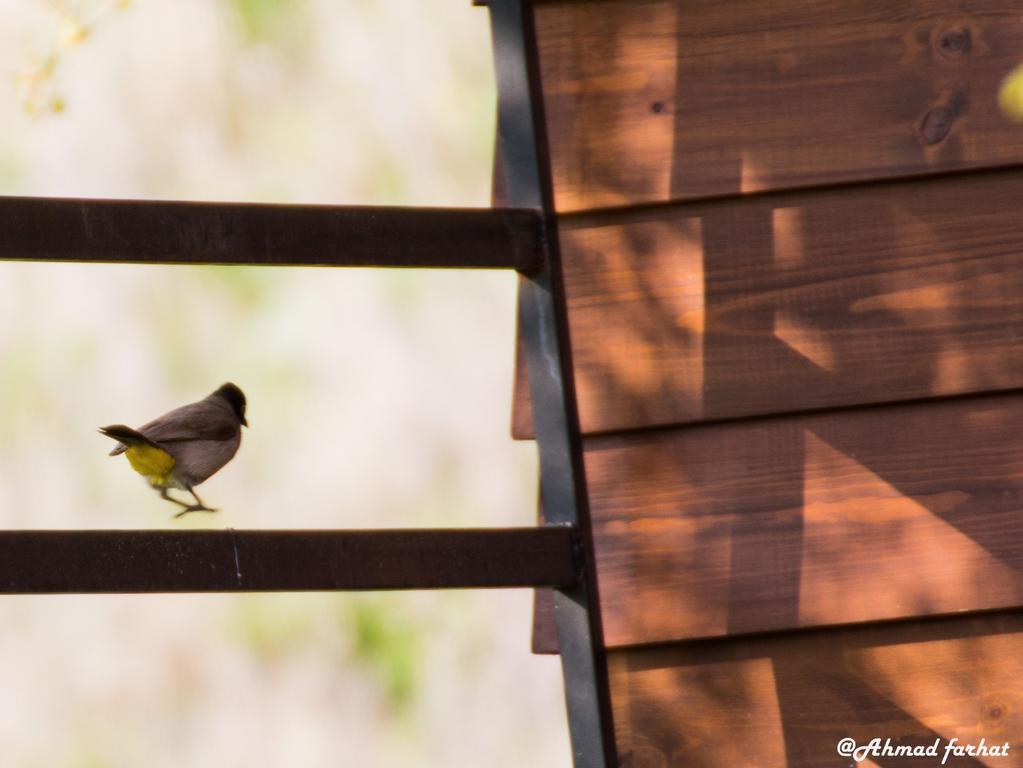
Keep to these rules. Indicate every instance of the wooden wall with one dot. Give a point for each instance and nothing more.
(792, 236)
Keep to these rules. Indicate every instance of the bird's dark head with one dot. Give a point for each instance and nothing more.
(235, 398)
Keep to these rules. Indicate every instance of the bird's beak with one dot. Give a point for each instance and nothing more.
(245, 422)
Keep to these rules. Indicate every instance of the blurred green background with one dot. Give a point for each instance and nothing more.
(376, 398)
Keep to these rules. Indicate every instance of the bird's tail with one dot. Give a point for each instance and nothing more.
(126, 436)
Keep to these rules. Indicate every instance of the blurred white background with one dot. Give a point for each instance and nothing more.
(376, 398)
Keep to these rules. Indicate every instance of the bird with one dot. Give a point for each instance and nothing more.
(186, 446)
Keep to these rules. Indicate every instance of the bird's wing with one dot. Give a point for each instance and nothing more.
(204, 420)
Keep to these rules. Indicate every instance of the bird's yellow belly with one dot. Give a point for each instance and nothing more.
(153, 463)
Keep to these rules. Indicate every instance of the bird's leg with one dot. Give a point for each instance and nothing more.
(200, 505)
(168, 497)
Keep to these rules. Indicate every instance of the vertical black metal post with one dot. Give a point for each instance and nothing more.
(544, 325)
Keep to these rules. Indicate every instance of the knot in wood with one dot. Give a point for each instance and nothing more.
(936, 124)
(994, 711)
(954, 41)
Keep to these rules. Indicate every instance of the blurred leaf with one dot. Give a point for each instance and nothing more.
(266, 20)
(1010, 95)
(248, 287)
(11, 173)
(72, 32)
(89, 758)
(271, 626)
(389, 643)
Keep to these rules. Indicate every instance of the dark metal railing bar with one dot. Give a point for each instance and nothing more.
(158, 232)
(141, 561)
(544, 328)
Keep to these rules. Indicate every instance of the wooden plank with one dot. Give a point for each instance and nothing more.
(74, 562)
(544, 638)
(545, 635)
(179, 232)
(522, 401)
(833, 518)
(545, 631)
(795, 301)
(656, 100)
(786, 702)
